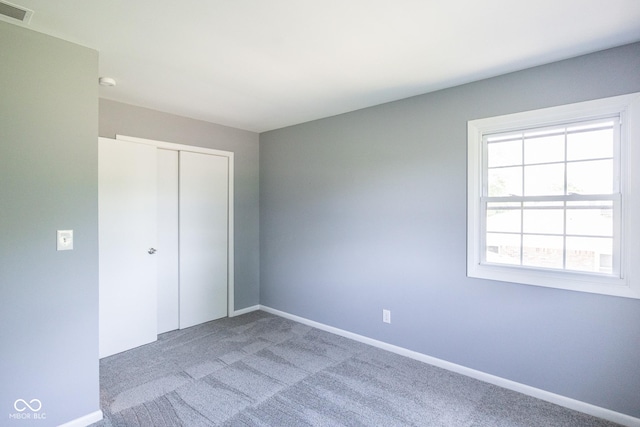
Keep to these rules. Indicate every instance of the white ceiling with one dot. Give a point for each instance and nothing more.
(265, 64)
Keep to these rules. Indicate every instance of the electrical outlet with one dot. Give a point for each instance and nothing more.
(386, 316)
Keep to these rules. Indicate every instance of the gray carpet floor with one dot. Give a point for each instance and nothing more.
(262, 370)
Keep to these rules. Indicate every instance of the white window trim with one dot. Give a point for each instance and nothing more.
(628, 285)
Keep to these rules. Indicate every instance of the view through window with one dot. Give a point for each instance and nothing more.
(551, 197)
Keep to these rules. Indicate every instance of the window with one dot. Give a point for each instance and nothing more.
(552, 194)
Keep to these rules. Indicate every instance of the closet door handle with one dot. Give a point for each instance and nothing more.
(152, 251)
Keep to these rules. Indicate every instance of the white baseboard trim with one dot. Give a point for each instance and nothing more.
(557, 399)
(84, 421)
(244, 311)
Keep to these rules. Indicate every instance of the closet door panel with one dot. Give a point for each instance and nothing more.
(204, 182)
(127, 184)
(168, 249)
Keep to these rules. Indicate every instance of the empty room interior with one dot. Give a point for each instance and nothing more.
(320, 213)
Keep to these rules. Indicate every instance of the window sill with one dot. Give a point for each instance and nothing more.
(572, 281)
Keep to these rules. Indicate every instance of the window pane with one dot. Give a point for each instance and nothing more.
(545, 204)
(544, 149)
(543, 221)
(542, 251)
(503, 220)
(590, 254)
(590, 222)
(503, 248)
(591, 203)
(505, 182)
(504, 205)
(544, 180)
(590, 145)
(504, 153)
(594, 177)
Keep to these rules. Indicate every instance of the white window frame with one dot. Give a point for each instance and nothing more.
(624, 284)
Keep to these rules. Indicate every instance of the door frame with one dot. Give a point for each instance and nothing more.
(230, 241)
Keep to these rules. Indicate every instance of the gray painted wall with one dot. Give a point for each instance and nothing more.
(48, 181)
(367, 210)
(124, 119)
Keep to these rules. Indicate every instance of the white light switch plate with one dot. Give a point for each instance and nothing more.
(65, 240)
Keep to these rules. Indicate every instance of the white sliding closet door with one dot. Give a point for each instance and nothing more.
(168, 249)
(204, 207)
(127, 185)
